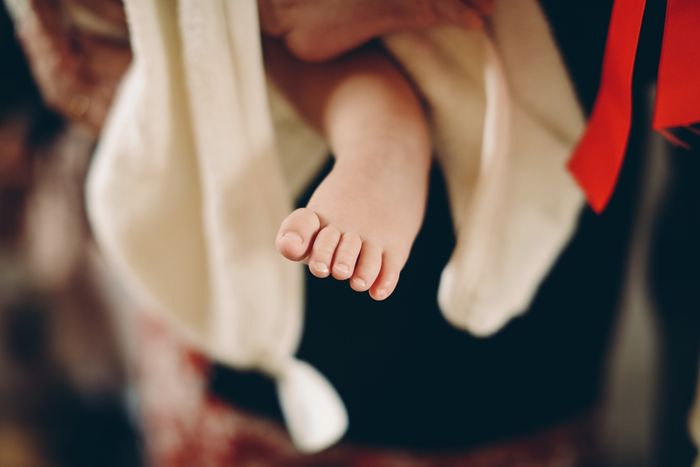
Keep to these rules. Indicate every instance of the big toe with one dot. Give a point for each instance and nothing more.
(297, 233)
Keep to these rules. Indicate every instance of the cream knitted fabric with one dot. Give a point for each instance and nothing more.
(186, 194)
(505, 121)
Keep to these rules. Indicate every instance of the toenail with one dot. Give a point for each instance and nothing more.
(341, 269)
(359, 283)
(381, 293)
(320, 267)
(293, 237)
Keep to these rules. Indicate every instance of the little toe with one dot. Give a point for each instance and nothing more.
(297, 233)
(387, 280)
(323, 250)
(346, 256)
(367, 269)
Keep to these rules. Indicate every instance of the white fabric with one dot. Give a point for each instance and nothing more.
(513, 213)
(186, 195)
(187, 189)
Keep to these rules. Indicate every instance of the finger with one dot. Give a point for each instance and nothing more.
(270, 22)
(483, 7)
(458, 13)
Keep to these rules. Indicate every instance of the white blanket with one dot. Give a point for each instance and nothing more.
(195, 172)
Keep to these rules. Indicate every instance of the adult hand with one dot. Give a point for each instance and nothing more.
(78, 51)
(317, 30)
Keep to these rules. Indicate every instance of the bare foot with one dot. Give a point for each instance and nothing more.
(360, 223)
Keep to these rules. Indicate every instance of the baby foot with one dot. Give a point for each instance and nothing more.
(360, 224)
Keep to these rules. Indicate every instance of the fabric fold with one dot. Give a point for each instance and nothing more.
(189, 133)
(505, 120)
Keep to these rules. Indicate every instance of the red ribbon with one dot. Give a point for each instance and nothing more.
(599, 155)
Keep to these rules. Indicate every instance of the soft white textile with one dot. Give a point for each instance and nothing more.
(188, 189)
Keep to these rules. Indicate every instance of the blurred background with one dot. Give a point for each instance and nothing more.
(64, 392)
(69, 345)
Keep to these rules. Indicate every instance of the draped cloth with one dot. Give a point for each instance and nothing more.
(200, 160)
(598, 159)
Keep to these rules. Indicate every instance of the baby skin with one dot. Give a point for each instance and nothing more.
(361, 221)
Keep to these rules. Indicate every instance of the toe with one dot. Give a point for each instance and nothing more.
(323, 250)
(367, 269)
(387, 280)
(296, 234)
(346, 256)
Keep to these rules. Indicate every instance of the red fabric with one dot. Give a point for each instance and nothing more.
(678, 93)
(598, 157)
